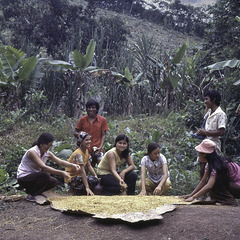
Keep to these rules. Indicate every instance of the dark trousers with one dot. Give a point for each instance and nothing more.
(77, 186)
(37, 183)
(111, 185)
(225, 194)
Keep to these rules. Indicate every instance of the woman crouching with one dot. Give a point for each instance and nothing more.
(113, 180)
(221, 178)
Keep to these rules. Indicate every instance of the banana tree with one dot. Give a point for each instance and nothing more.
(234, 63)
(75, 74)
(15, 70)
(168, 72)
(129, 81)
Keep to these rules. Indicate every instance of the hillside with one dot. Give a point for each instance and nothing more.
(169, 39)
(198, 3)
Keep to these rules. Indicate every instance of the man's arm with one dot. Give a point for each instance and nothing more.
(76, 133)
(219, 132)
(102, 139)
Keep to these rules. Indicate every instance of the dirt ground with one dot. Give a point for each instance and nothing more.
(26, 220)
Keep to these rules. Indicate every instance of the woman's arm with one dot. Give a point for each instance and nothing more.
(143, 180)
(90, 168)
(35, 158)
(57, 160)
(200, 185)
(203, 189)
(85, 181)
(130, 167)
(158, 189)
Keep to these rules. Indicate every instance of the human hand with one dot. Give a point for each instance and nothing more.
(122, 183)
(190, 199)
(201, 131)
(65, 175)
(76, 167)
(143, 193)
(89, 192)
(157, 190)
(184, 196)
(122, 175)
(96, 150)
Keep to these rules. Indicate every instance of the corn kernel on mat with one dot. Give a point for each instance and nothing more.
(127, 208)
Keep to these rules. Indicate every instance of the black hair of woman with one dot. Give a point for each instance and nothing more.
(125, 138)
(81, 137)
(151, 147)
(44, 138)
(217, 162)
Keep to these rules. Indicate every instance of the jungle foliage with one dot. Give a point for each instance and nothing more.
(49, 71)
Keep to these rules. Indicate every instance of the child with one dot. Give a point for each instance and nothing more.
(158, 182)
(79, 182)
(112, 180)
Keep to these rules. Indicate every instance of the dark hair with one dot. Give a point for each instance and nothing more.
(44, 138)
(91, 103)
(120, 137)
(79, 142)
(218, 163)
(152, 146)
(213, 95)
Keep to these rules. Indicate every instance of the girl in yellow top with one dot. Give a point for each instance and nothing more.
(79, 182)
(112, 179)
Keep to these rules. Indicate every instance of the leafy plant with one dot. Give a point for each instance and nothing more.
(15, 69)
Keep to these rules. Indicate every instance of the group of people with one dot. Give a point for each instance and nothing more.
(115, 170)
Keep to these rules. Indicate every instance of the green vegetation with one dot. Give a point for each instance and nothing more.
(141, 130)
(49, 71)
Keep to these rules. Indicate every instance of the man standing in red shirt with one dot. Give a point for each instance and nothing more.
(96, 126)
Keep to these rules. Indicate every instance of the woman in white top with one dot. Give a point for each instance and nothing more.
(158, 182)
(33, 174)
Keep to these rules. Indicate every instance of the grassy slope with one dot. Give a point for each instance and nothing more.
(169, 39)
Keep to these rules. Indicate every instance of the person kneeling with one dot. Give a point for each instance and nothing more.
(158, 182)
(113, 181)
(221, 178)
(79, 182)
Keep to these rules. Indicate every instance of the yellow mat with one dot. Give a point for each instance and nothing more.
(127, 208)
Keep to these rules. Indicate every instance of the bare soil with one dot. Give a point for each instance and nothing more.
(26, 220)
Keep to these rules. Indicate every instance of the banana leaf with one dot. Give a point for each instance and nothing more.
(27, 68)
(89, 53)
(79, 59)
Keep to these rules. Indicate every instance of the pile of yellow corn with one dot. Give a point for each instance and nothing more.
(111, 204)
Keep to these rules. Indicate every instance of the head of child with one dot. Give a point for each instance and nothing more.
(122, 145)
(206, 150)
(153, 151)
(84, 140)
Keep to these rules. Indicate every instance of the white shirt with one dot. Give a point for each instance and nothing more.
(155, 168)
(215, 121)
(28, 166)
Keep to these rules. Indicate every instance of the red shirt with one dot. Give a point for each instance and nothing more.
(95, 129)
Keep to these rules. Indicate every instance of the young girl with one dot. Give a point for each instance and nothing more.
(158, 182)
(113, 180)
(79, 182)
(33, 174)
(221, 178)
